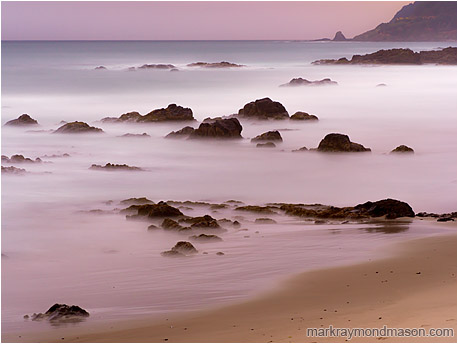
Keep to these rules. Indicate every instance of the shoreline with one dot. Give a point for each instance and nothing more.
(386, 291)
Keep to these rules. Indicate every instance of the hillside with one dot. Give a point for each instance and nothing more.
(417, 22)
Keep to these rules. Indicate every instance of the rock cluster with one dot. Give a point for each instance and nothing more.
(222, 64)
(115, 167)
(61, 312)
(305, 82)
(19, 159)
(77, 128)
(23, 120)
(172, 113)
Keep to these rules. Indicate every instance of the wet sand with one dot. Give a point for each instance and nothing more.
(414, 288)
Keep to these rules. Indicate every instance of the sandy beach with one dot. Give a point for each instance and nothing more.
(415, 288)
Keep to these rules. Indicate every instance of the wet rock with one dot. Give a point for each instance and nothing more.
(222, 64)
(62, 312)
(172, 254)
(266, 145)
(172, 113)
(303, 116)
(205, 238)
(402, 149)
(268, 136)
(265, 220)
(205, 221)
(161, 209)
(157, 66)
(19, 159)
(23, 120)
(425, 214)
(115, 167)
(100, 68)
(136, 200)
(144, 135)
(220, 129)
(77, 128)
(152, 227)
(185, 132)
(220, 253)
(445, 219)
(304, 82)
(184, 247)
(132, 116)
(390, 208)
(13, 170)
(263, 109)
(170, 224)
(302, 149)
(340, 143)
(256, 209)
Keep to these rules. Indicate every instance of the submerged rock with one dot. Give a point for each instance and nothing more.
(62, 312)
(77, 128)
(265, 220)
(205, 221)
(263, 109)
(161, 209)
(205, 238)
(100, 68)
(268, 136)
(255, 209)
(171, 113)
(182, 248)
(402, 149)
(115, 167)
(303, 116)
(266, 145)
(222, 64)
(302, 149)
(144, 135)
(305, 82)
(340, 143)
(136, 201)
(185, 132)
(13, 170)
(221, 129)
(23, 120)
(157, 66)
(19, 159)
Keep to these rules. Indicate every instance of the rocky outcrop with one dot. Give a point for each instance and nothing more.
(157, 66)
(19, 159)
(340, 143)
(185, 132)
(114, 167)
(440, 217)
(169, 224)
(305, 82)
(144, 135)
(182, 248)
(100, 68)
(23, 120)
(77, 128)
(256, 209)
(401, 56)
(61, 312)
(303, 116)
(205, 238)
(425, 21)
(13, 170)
(136, 201)
(220, 129)
(265, 220)
(205, 221)
(172, 113)
(302, 149)
(402, 149)
(389, 208)
(222, 64)
(268, 136)
(263, 109)
(266, 145)
(161, 209)
(339, 37)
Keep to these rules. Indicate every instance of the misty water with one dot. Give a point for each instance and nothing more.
(55, 250)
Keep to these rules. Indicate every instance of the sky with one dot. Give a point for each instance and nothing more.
(187, 20)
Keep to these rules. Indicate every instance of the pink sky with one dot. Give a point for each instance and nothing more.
(191, 20)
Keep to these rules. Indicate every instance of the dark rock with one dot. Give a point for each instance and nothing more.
(115, 167)
(255, 209)
(23, 120)
(205, 221)
(205, 238)
(303, 116)
(268, 136)
(170, 224)
(13, 170)
(126, 117)
(161, 209)
(302, 149)
(305, 82)
(445, 219)
(19, 159)
(220, 253)
(152, 227)
(265, 220)
(263, 109)
(171, 113)
(389, 207)
(138, 201)
(186, 131)
(100, 68)
(339, 37)
(174, 70)
(402, 149)
(184, 247)
(222, 64)
(381, 85)
(62, 312)
(266, 145)
(425, 214)
(340, 143)
(144, 135)
(77, 128)
(157, 66)
(221, 129)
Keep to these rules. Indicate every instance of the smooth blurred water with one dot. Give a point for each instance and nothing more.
(111, 266)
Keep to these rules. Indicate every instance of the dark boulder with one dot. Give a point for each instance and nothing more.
(305, 82)
(115, 167)
(23, 120)
(161, 209)
(205, 221)
(170, 224)
(186, 131)
(402, 149)
(263, 109)
(77, 128)
(390, 208)
(13, 170)
(184, 247)
(268, 136)
(266, 145)
(62, 312)
(19, 159)
(303, 116)
(340, 143)
(220, 129)
(171, 113)
(205, 238)
(136, 200)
